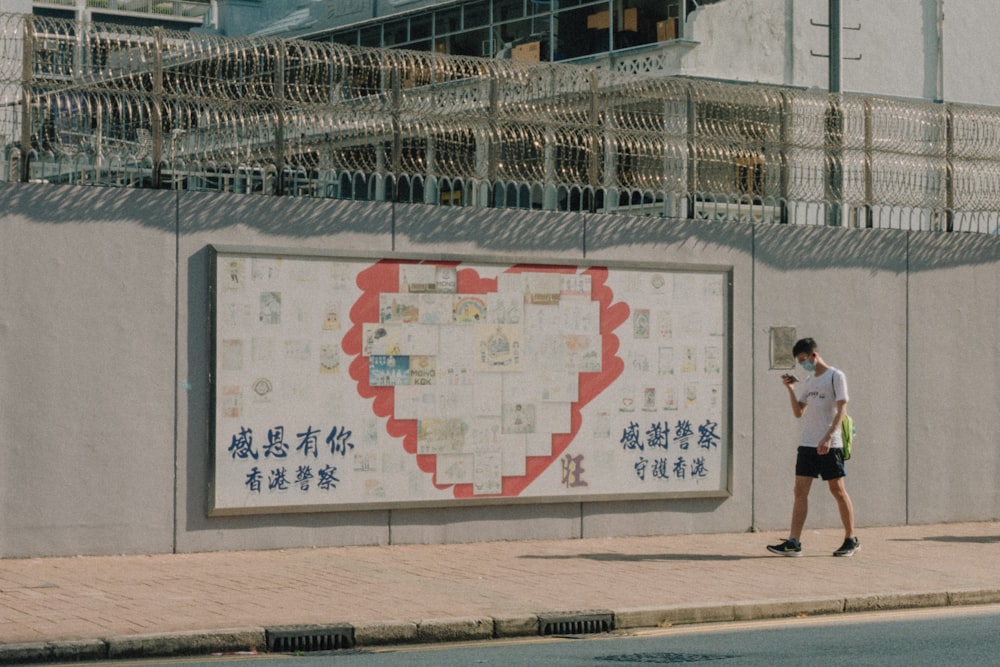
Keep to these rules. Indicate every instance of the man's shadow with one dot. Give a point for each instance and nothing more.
(954, 539)
(640, 558)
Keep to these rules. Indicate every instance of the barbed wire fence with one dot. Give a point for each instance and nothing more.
(101, 104)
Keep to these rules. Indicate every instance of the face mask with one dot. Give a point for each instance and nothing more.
(808, 365)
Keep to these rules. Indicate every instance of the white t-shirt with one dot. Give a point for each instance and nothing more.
(820, 395)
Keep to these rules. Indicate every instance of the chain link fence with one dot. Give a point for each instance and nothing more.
(101, 104)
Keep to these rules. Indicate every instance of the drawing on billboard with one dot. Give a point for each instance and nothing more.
(344, 383)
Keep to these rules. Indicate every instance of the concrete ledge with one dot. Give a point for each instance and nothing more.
(901, 601)
(641, 617)
(710, 613)
(68, 651)
(187, 643)
(649, 617)
(787, 608)
(384, 633)
(960, 598)
(515, 626)
(474, 628)
(454, 629)
(86, 649)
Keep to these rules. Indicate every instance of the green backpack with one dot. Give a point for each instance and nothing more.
(847, 430)
(847, 434)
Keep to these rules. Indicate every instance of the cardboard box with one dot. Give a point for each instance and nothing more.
(599, 21)
(666, 30)
(530, 51)
(627, 20)
(630, 20)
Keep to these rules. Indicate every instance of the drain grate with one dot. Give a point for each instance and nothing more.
(576, 623)
(308, 638)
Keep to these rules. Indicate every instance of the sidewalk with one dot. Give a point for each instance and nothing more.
(125, 606)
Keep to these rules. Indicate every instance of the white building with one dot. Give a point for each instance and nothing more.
(921, 49)
(171, 14)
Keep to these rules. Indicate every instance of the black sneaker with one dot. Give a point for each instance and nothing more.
(789, 547)
(848, 548)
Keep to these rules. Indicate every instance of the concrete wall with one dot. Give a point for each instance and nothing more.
(88, 340)
(849, 290)
(104, 366)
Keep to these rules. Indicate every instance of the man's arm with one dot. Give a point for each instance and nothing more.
(797, 407)
(838, 417)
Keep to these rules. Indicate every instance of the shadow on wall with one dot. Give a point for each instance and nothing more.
(73, 204)
(500, 231)
(507, 231)
(790, 247)
(162, 209)
(787, 247)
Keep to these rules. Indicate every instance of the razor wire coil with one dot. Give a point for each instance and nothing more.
(125, 104)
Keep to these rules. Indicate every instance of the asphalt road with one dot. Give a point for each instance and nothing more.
(915, 638)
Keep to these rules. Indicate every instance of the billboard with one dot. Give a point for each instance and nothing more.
(347, 383)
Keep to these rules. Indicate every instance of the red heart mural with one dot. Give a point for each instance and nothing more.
(382, 280)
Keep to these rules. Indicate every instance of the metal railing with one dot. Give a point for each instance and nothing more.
(102, 105)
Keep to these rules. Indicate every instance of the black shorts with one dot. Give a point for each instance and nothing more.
(829, 466)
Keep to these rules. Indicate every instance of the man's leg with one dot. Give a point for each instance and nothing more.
(800, 506)
(839, 491)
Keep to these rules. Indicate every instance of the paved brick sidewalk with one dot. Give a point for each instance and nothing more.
(644, 581)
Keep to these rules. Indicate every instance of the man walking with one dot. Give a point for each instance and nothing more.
(822, 403)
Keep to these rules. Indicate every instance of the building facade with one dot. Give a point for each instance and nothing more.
(171, 14)
(917, 49)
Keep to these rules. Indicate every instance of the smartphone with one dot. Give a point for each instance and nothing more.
(791, 378)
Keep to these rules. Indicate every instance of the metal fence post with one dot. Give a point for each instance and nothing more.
(156, 111)
(834, 143)
(835, 123)
(949, 174)
(27, 74)
(692, 151)
(595, 137)
(279, 113)
(869, 166)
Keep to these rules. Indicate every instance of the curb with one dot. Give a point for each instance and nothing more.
(135, 646)
(440, 630)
